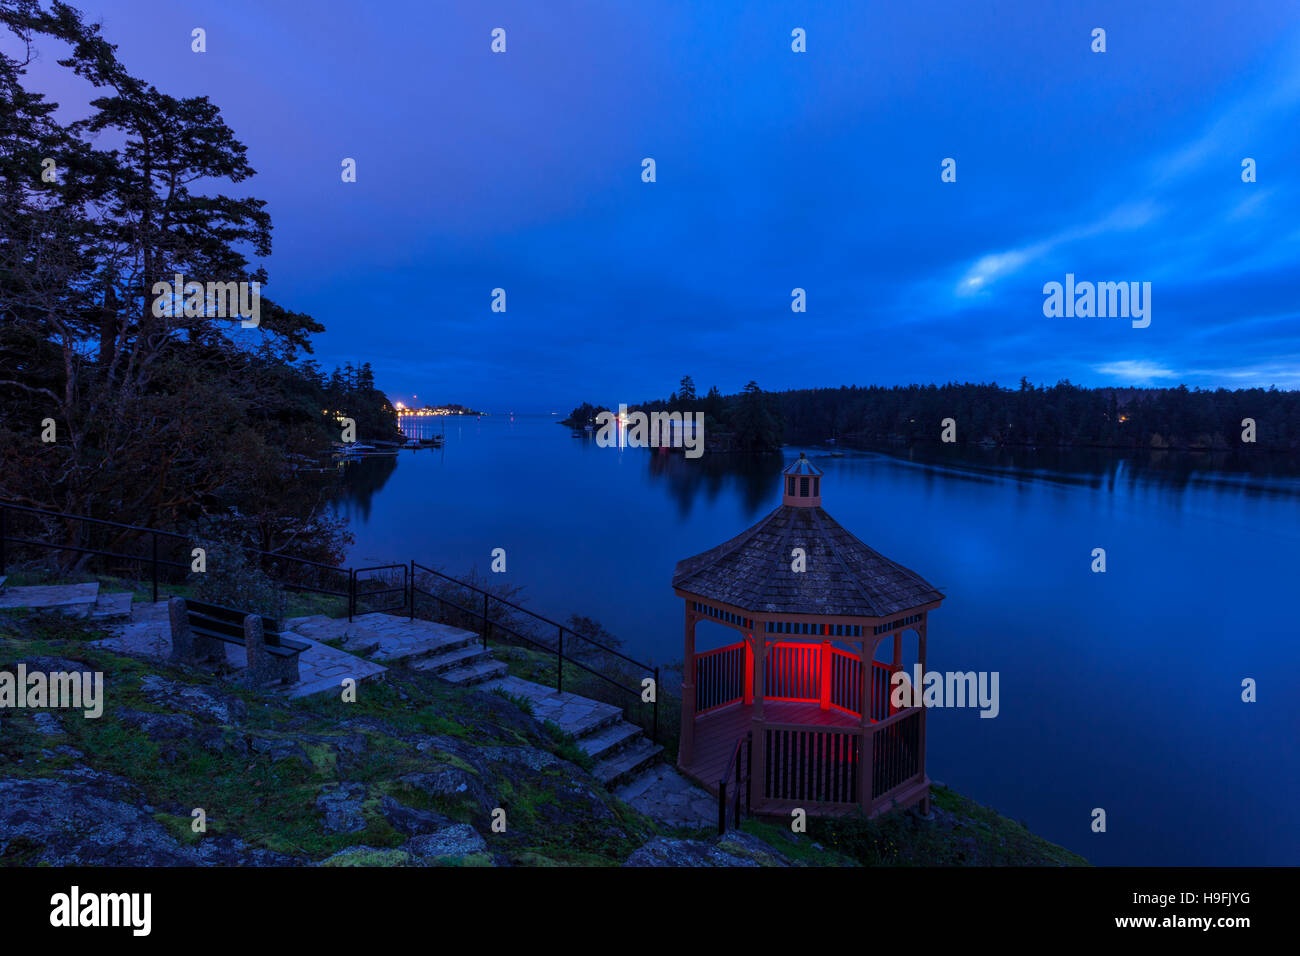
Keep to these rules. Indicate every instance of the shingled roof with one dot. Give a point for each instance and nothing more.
(843, 577)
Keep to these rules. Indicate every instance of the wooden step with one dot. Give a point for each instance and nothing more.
(627, 763)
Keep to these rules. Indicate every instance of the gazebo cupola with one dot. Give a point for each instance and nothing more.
(801, 691)
(803, 484)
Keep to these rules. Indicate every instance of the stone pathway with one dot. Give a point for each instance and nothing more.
(663, 794)
(320, 667)
(77, 600)
(451, 653)
(621, 752)
(576, 715)
(625, 761)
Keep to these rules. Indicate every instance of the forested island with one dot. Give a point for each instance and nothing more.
(1060, 415)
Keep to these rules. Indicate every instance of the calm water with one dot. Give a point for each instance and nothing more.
(1118, 690)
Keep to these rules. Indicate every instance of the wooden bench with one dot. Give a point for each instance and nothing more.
(200, 632)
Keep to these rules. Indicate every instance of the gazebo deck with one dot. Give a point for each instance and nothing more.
(717, 731)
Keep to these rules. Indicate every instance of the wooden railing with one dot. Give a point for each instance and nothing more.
(846, 687)
(895, 752)
(720, 677)
(793, 672)
(822, 765)
(846, 681)
(806, 764)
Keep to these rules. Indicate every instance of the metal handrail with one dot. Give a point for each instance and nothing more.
(408, 589)
(352, 585)
(542, 618)
(558, 649)
(733, 769)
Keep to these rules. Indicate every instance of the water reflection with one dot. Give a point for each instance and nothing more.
(1253, 473)
(362, 480)
(752, 477)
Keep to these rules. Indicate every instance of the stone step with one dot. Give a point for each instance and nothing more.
(320, 686)
(311, 621)
(627, 763)
(638, 783)
(593, 722)
(579, 716)
(387, 638)
(663, 794)
(473, 674)
(603, 743)
(430, 646)
(74, 599)
(3, 579)
(452, 659)
(109, 607)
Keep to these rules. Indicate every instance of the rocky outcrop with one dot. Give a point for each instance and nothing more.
(341, 808)
(380, 780)
(203, 703)
(731, 849)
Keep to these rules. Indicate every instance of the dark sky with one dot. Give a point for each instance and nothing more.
(775, 170)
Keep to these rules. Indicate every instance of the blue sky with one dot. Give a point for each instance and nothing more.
(775, 170)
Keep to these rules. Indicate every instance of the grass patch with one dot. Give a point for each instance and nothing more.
(962, 833)
(566, 746)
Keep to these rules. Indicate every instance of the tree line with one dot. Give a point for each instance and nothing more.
(162, 416)
(748, 422)
(1063, 414)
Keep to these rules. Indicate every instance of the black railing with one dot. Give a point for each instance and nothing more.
(354, 575)
(737, 772)
(267, 558)
(354, 592)
(487, 625)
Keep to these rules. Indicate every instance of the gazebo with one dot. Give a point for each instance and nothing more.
(801, 691)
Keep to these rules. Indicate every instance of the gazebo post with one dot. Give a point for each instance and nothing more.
(758, 760)
(749, 669)
(920, 656)
(825, 669)
(686, 745)
(865, 755)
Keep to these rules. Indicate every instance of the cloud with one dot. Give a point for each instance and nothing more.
(995, 266)
(1135, 372)
(1122, 218)
(1282, 373)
